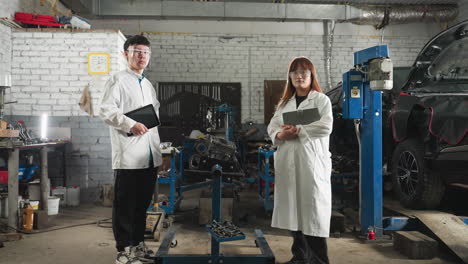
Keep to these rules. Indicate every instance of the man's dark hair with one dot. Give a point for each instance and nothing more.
(136, 40)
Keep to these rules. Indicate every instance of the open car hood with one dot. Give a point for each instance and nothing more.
(444, 57)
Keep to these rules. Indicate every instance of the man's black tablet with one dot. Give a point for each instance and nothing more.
(145, 115)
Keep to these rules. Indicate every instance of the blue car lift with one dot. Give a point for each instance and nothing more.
(363, 102)
(266, 256)
(360, 102)
(263, 163)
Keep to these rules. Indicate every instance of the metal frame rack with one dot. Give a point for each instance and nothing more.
(175, 190)
(171, 180)
(266, 256)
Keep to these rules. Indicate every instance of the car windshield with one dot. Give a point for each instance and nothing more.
(451, 63)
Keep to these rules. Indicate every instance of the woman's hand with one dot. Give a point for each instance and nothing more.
(288, 132)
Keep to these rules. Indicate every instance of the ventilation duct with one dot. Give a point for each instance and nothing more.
(379, 16)
(383, 16)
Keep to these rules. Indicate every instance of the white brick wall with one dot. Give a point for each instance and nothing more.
(49, 68)
(224, 58)
(5, 51)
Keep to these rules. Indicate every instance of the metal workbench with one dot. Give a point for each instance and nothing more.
(13, 170)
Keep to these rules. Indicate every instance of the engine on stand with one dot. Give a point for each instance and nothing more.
(217, 147)
(192, 164)
(212, 150)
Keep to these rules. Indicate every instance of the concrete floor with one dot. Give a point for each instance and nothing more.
(94, 244)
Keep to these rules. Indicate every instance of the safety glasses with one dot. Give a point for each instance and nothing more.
(297, 74)
(139, 52)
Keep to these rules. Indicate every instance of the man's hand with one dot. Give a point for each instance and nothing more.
(288, 132)
(138, 129)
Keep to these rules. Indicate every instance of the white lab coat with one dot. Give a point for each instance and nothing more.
(122, 94)
(302, 198)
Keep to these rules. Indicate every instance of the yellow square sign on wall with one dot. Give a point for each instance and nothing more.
(98, 63)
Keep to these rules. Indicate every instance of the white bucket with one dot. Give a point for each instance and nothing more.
(61, 192)
(4, 205)
(73, 196)
(53, 205)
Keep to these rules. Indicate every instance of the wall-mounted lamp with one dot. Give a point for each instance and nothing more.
(44, 121)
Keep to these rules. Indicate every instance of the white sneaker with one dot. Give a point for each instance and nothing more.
(143, 251)
(127, 257)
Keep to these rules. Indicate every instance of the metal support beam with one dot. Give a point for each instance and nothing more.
(13, 169)
(45, 187)
(216, 196)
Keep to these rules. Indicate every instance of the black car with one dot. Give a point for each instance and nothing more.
(425, 122)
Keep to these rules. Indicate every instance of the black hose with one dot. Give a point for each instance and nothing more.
(104, 223)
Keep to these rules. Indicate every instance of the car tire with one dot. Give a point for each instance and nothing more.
(415, 185)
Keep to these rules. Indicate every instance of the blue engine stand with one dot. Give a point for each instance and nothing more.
(266, 256)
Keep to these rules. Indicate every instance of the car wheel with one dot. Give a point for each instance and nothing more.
(415, 184)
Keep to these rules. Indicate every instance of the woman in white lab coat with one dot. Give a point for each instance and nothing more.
(302, 200)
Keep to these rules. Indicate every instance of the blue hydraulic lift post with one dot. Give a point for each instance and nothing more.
(371, 139)
(371, 162)
(361, 102)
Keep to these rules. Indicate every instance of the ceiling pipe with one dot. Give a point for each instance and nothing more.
(377, 15)
(383, 16)
(329, 37)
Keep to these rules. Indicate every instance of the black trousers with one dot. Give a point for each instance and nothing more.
(311, 249)
(133, 191)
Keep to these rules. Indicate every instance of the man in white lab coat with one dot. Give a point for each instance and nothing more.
(302, 199)
(135, 150)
